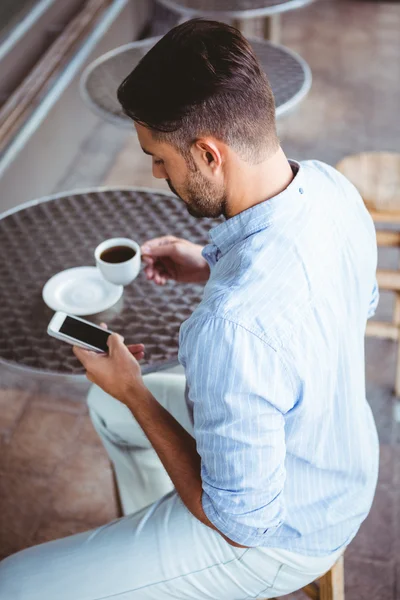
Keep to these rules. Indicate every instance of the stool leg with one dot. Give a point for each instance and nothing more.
(239, 24)
(331, 584)
(396, 319)
(311, 591)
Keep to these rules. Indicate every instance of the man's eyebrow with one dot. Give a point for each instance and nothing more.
(146, 151)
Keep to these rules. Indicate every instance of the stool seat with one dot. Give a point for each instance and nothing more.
(241, 9)
(376, 175)
(330, 586)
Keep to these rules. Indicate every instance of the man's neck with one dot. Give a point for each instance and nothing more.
(251, 184)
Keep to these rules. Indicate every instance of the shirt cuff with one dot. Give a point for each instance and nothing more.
(237, 532)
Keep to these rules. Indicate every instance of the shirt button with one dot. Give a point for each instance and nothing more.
(301, 190)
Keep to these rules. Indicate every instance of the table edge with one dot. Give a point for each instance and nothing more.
(236, 14)
(302, 93)
(126, 122)
(90, 190)
(45, 373)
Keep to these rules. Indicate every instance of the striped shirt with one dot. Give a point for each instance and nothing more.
(274, 362)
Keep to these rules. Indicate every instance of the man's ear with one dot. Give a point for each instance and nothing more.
(208, 153)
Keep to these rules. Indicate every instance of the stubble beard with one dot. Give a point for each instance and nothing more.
(203, 200)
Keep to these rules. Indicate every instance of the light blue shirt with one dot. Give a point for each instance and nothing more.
(274, 361)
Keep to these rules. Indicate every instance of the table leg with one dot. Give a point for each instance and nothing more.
(272, 28)
(268, 28)
(239, 24)
(331, 585)
(250, 28)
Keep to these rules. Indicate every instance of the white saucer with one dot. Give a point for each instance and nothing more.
(81, 291)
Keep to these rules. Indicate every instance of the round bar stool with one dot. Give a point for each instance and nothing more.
(241, 13)
(289, 76)
(376, 175)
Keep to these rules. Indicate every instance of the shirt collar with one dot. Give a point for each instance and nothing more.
(256, 218)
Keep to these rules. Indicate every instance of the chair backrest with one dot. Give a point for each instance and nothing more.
(376, 175)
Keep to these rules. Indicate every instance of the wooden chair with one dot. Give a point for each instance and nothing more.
(376, 175)
(330, 586)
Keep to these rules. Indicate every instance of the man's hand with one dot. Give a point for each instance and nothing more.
(169, 257)
(118, 372)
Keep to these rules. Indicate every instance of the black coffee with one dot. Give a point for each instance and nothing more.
(117, 254)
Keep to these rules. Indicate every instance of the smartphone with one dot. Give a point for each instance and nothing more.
(78, 332)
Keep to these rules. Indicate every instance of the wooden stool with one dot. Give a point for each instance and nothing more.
(376, 175)
(330, 586)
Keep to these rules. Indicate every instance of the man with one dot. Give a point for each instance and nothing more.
(254, 486)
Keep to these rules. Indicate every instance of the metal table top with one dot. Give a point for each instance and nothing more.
(52, 234)
(232, 9)
(288, 73)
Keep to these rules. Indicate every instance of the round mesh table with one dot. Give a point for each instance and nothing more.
(233, 9)
(288, 73)
(47, 236)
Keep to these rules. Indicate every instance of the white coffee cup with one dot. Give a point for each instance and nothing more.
(120, 273)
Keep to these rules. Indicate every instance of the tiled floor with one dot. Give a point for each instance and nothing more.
(55, 477)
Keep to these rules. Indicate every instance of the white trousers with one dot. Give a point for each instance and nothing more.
(159, 550)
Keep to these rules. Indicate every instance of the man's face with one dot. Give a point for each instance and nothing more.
(191, 182)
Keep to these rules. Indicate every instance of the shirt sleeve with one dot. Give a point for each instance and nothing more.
(240, 392)
(374, 301)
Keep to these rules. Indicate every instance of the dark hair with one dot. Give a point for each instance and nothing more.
(202, 78)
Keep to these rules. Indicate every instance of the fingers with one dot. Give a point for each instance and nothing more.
(115, 340)
(137, 350)
(159, 246)
(152, 275)
(150, 272)
(115, 343)
(138, 356)
(136, 347)
(103, 325)
(160, 270)
(160, 279)
(155, 275)
(148, 246)
(84, 356)
(158, 255)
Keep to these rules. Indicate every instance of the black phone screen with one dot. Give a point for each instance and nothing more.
(85, 333)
